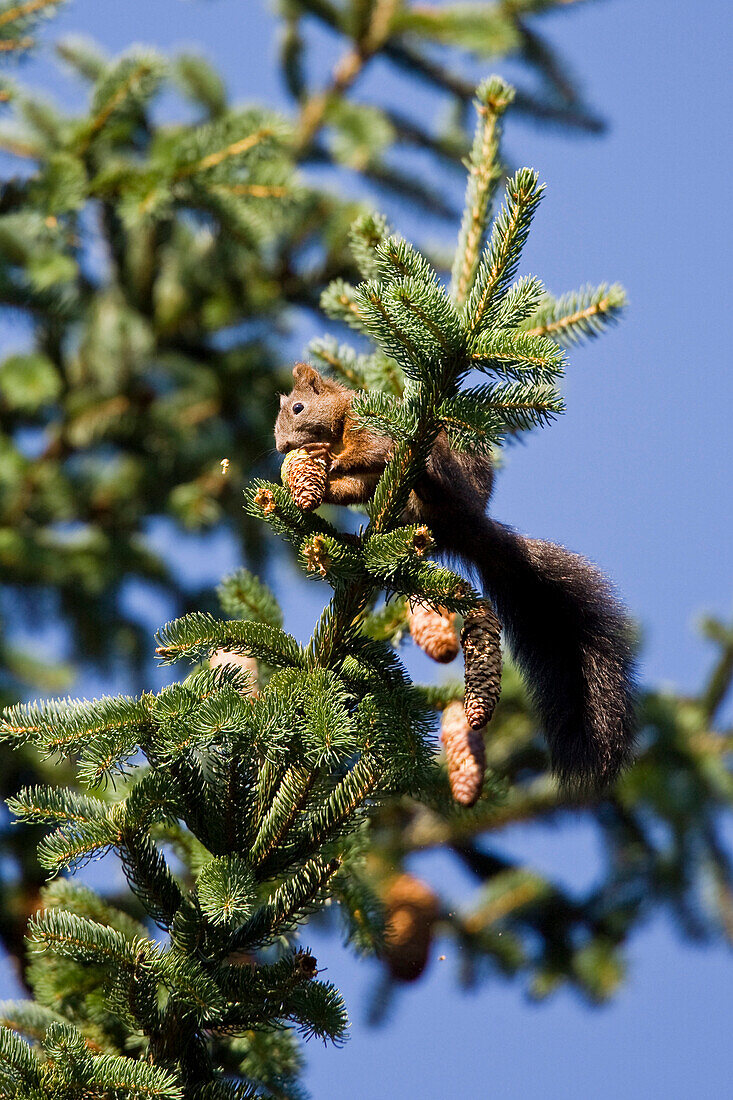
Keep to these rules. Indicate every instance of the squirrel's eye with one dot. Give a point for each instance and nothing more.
(298, 407)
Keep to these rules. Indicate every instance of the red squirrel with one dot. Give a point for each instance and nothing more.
(568, 633)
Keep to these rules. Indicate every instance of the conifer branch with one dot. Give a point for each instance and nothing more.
(148, 874)
(18, 147)
(578, 315)
(235, 149)
(346, 71)
(134, 78)
(350, 794)
(18, 1064)
(80, 939)
(484, 172)
(293, 899)
(253, 190)
(263, 796)
(504, 249)
(10, 45)
(22, 11)
(290, 798)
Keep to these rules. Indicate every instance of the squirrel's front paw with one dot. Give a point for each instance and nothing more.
(318, 450)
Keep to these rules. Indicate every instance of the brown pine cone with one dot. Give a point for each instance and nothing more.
(481, 641)
(465, 754)
(412, 909)
(433, 632)
(239, 660)
(305, 477)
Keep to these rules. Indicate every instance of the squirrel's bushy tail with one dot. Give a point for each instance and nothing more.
(572, 641)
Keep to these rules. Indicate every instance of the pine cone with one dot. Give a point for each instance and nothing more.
(465, 755)
(305, 477)
(239, 660)
(412, 909)
(433, 632)
(481, 641)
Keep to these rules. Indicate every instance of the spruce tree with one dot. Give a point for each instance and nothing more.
(328, 763)
(154, 264)
(263, 790)
(150, 269)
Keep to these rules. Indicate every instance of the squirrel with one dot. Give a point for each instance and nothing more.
(569, 634)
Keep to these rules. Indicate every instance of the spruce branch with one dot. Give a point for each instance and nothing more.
(73, 846)
(201, 634)
(484, 172)
(369, 40)
(80, 939)
(18, 1065)
(17, 19)
(533, 358)
(287, 906)
(288, 801)
(263, 797)
(348, 796)
(338, 302)
(83, 56)
(56, 805)
(148, 874)
(721, 677)
(125, 87)
(502, 254)
(340, 359)
(578, 315)
(65, 727)
(12, 12)
(118, 1074)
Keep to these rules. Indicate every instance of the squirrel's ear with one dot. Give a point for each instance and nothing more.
(307, 376)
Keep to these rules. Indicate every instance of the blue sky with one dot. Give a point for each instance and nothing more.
(636, 475)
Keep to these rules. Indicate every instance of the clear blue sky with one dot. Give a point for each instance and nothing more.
(636, 475)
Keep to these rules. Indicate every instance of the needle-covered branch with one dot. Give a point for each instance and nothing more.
(241, 800)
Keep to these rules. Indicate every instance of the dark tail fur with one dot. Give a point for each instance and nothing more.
(571, 639)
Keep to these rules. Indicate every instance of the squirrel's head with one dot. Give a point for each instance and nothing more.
(313, 411)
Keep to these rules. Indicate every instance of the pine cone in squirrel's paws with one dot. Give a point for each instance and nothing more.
(481, 641)
(465, 754)
(412, 909)
(434, 632)
(305, 477)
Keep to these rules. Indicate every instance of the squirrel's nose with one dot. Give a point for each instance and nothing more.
(282, 447)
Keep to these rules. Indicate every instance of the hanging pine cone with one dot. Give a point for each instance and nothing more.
(305, 477)
(412, 909)
(465, 754)
(481, 641)
(434, 632)
(239, 660)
